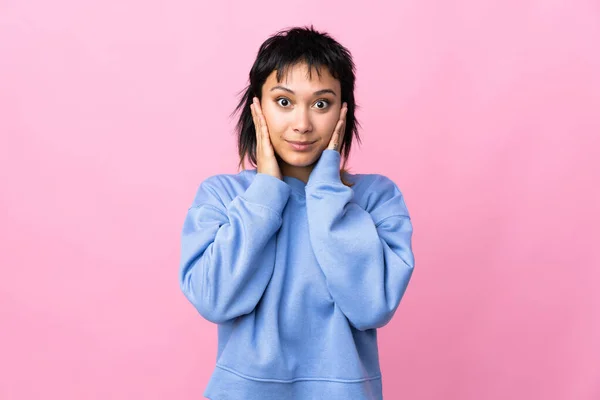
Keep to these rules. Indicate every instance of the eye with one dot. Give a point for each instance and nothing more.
(283, 102)
(322, 104)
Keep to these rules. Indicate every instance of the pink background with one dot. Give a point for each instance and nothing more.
(485, 113)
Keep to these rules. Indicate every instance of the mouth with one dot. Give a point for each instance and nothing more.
(300, 146)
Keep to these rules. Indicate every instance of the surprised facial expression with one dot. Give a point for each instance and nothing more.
(301, 112)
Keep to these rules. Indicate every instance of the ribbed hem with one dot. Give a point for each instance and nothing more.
(268, 191)
(228, 384)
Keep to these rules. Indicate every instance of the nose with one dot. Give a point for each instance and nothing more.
(302, 122)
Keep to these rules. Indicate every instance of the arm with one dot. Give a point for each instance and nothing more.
(366, 256)
(228, 252)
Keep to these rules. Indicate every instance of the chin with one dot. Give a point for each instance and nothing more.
(298, 159)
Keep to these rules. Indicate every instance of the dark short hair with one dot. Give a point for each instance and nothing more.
(285, 49)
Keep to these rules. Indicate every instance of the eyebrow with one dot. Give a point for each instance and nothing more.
(317, 93)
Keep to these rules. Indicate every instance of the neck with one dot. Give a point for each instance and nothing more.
(301, 173)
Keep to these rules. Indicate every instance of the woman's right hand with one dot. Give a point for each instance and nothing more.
(265, 154)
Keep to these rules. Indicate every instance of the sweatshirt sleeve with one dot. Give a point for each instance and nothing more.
(228, 251)
(365, 255)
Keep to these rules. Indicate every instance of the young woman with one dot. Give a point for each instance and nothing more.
(297, 260)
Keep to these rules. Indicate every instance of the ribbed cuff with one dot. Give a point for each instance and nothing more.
(268, 191)
(327, 168)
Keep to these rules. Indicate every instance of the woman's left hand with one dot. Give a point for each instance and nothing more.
(338, 132)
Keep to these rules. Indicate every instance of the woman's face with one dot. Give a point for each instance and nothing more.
(301, 109)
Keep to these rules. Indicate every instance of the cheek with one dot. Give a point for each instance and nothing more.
(327, 123)
(275, 120)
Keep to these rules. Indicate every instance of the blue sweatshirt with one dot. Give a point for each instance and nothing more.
(298, 276)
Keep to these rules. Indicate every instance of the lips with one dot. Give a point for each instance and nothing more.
(300, 143)
(300, 146)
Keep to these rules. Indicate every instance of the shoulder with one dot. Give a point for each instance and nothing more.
(222, 188)
(373, 190)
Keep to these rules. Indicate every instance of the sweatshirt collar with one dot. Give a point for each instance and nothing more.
(296, 184)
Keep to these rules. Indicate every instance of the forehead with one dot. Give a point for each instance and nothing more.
(298, 76)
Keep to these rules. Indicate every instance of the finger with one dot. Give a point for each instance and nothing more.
(342, 132)
(266, 140)
(343, 113)
(253, 115)
(257, 113)
(261, 118)
(255, 118)
(334, 143)
(335, 137)
(257, 107)
(342, 129)
(256, 126)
